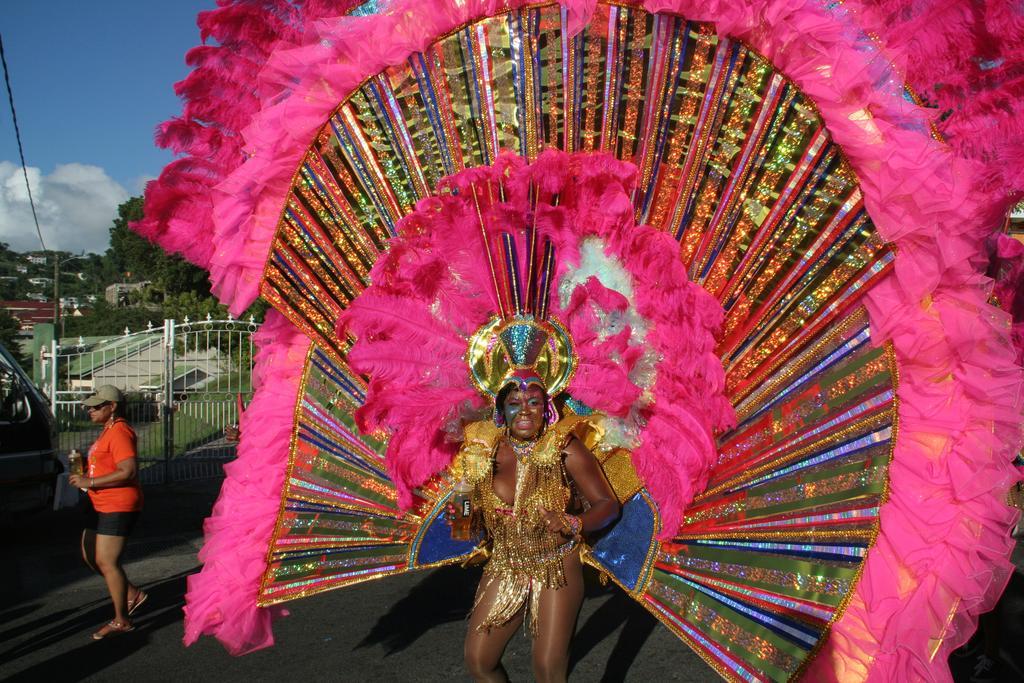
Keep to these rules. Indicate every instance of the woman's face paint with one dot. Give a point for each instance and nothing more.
(524, 412)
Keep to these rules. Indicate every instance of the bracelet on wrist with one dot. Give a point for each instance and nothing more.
(573, 523)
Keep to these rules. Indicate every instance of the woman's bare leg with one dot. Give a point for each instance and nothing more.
(556, 623)
(89, 557)
(108, 560)
(483, 649)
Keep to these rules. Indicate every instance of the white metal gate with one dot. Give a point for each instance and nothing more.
(183, 383)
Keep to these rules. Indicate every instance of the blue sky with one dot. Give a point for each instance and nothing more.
(91, 81)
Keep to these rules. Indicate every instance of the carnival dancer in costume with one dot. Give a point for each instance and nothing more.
(754, 169)
(526, 465)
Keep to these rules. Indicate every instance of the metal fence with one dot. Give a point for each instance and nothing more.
(183, 382)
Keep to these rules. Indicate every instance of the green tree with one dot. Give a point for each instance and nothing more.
(194, 306)
(9, 289)
(179, 288)
(131, 253)
(107, 321)
(9, 329)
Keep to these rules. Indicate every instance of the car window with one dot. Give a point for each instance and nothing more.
(13, 401)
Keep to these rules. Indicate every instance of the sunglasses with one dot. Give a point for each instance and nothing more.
(92, 408)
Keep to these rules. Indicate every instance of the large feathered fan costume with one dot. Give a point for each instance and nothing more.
(762, 225)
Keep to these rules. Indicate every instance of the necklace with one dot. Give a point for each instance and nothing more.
(522, 449)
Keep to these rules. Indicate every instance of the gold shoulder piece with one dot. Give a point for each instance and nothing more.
(473, 460)
(587, 429)
(483, 432)
(616, 462)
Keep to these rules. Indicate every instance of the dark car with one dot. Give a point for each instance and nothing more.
(28, 458)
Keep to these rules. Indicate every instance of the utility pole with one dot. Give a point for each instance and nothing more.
(56, 294)
(58, 329)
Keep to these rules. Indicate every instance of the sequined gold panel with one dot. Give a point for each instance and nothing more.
(339, 523)
(767, 557)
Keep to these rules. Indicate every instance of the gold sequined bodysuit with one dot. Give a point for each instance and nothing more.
(525, 557)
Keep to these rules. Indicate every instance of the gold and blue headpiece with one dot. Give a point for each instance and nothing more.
(504, 351)
(522, 340)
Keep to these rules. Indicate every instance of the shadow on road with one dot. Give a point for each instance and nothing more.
(14, 613)
(618, 610)
(162, 609)
(444, 595)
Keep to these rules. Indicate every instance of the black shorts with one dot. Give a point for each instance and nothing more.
(111, 523)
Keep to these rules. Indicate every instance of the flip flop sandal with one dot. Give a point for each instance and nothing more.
(112, 628)
(140, 598)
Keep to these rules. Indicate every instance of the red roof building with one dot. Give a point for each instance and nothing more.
(29, 313)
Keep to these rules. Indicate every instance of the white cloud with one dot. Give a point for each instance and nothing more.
(76, 205)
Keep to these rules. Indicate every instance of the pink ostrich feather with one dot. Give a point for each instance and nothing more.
(221, 598)
(966, 60)
(220, 98)
(301, 59)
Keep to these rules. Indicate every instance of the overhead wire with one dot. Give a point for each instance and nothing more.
(21, 150)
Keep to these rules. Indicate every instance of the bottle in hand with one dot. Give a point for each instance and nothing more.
(75, 463)
(461, 512)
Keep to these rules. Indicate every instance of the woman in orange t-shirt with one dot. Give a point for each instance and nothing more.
(113, 486)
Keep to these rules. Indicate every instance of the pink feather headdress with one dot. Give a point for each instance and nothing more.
(641, 335)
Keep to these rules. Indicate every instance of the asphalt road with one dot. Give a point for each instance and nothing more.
(406, 628)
